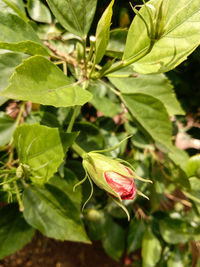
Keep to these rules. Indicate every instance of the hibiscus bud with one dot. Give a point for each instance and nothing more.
(124, 186)
(110, 175)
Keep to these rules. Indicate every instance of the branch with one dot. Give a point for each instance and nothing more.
(64, 56)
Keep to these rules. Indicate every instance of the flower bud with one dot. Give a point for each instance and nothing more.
(124, 186)
(110, 175)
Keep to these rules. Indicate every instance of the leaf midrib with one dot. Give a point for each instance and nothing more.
(74, 15)
(165, 34)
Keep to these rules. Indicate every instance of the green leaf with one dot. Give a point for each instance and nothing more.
(179, 176)
(14, 231)
(103, 33)
(18, 3)
(175, 259)
(102, 102)
(51, 211)
(106, 106)
(193, 166)
(66, 184)
(114, 240)
(40, 81)
(178, 36)
(116, 43)
(14, 6)
(179, 157)
(195, 188)
(7, 127)
(138, 139)
(156, 85)
(174, 231)
(38, 11)
(8, 62)
(136, 231)
(17, 35)
(151, 114)
(151, 249)
(42, 149)
(75, 15)
(90, 137)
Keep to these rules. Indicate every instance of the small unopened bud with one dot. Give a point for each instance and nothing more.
(23, 171)
(92, 39)
(94, 215)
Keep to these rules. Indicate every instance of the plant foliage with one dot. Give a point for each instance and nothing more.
(68, 88)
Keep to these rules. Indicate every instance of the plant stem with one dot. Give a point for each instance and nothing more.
(20, 113)
(84, 56)
(92, 70)
(21, 206)
(73, 118)
(10, 159)
(78, 150)
(92, 44)
(76, 147)
(122, 64)
(65, 67)
(75, 112)
(110, 87)
(9, 181)
(7, 171)
(59, 55)
(191, 197)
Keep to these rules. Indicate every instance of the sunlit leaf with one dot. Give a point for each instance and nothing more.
(174, 231)
(7, 127)
(17, 35)
(8, 62)
(193, 166)
(38, 11)
(151, 114)
(38, 80)
(52, 212)
(75, 15)
(103, 33)
(156, 85)
(151, 249)
(178, 36)
(42, 149)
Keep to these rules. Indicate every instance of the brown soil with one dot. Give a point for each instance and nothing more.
(45, 252)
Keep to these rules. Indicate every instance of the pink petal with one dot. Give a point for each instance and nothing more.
(122, 185)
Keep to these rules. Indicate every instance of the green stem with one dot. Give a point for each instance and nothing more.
(84, 56)
(73, 118)
(21, 206)
(78, 150)
(110, 87)
(65, 67)
(7, 171)
(20, 113)
(10, 159)
(75, 112)
(122, 64)
(92, 70)
(9, 181)
(190, 196)
(92, 44)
